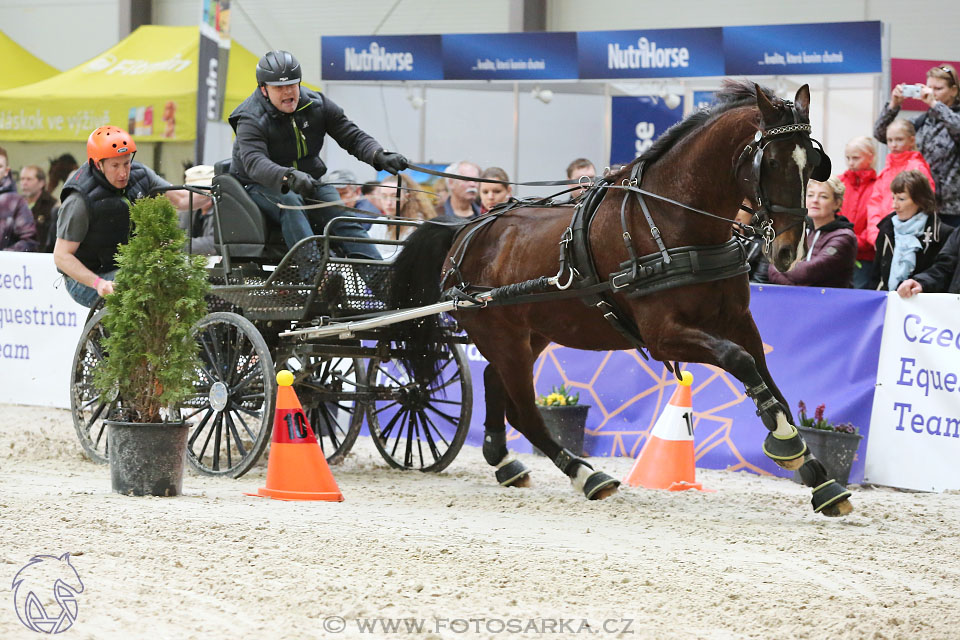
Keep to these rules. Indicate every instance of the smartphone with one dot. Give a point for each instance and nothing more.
(912, 90)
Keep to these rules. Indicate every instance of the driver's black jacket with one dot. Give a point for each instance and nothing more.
(270, 142)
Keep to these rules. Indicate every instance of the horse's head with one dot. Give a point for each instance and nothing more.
(774, 169)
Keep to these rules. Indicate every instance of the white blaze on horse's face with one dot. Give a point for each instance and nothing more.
(799, 156)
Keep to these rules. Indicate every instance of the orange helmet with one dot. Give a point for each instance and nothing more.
(109, 142)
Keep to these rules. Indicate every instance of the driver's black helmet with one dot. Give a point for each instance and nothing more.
(278, 68)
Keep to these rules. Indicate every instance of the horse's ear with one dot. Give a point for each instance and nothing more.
(802, 99)
(768, 112)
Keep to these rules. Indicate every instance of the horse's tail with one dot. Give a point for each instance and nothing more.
(416, 283)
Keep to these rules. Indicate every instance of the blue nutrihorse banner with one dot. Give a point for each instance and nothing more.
(822, 347)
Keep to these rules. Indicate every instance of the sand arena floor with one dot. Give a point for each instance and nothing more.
(466, 559)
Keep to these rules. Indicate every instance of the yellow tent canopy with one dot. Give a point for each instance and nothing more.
(21, 67)
(146, 83)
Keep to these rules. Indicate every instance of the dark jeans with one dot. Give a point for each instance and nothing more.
(861, 274)
(82, 294)
(299, 224)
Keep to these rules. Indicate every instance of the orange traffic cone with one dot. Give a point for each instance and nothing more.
(666, 460)
(297, 469)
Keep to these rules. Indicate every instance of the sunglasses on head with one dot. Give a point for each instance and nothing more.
(950, 72)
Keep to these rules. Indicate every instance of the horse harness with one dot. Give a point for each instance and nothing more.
(639, 275)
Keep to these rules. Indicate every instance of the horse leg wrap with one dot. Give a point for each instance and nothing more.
(828, 494)
(510, 471)
(767, 405)
(787, 449)
(566, 462)
(494, 446)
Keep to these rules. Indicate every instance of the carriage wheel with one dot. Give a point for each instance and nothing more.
(88, 409)
(231, 410)
(415, 427)
(326, 388)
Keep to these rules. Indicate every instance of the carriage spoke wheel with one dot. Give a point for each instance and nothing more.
(420, 427)
(326, 388)
(231, 409)
(88, 407)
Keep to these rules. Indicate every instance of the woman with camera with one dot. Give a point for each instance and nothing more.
(938, 133)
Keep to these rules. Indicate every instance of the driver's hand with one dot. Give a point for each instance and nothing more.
(300, 182)
(390, 162)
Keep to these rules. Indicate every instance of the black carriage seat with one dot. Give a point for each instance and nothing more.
(247, 233)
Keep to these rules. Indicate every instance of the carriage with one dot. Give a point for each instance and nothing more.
(316, 314)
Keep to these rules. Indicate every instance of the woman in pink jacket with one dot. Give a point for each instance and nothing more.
(859, 179)
(903, 156)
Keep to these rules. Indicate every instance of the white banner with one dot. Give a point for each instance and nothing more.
(40, 326)
(914, 440)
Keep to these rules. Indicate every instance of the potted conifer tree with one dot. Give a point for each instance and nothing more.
(150, 355)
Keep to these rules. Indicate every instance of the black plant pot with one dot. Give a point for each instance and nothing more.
(566, 425)
(835, 449)
(147, 459)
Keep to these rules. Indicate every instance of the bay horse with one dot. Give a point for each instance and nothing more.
(750, 146)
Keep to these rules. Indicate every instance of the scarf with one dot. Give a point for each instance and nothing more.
(906, 243)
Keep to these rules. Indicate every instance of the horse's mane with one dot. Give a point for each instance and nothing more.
(733, 94)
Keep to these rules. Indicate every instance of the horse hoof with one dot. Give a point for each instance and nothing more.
(596, 485)
(791, 465)
(831, 499)
(838, 509)
(512, 473)
(523, 482)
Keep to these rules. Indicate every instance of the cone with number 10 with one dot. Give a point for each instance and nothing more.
(666, 460)
(297, 469)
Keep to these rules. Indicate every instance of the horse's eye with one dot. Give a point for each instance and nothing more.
(774, 164)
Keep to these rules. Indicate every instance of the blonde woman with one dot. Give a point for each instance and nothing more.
(859, 179)
(831, 245)
(414, 205)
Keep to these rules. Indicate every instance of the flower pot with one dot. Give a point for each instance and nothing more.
(147, 459)
(566, 424)
(835, 449)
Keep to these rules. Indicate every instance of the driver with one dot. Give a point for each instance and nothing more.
(95, 217)
(280, 130)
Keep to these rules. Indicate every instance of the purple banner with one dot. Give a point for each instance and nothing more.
(822, 346)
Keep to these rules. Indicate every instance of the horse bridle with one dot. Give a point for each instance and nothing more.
(764, 210)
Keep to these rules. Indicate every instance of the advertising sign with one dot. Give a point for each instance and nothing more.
(660, 53)
(381, 58)
(636, 123)
(915, 423)
(505, 56)
(833, 47)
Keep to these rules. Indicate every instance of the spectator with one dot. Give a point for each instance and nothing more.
(462, 203)
(580, 168)
(491, 193)
(938, 135)
(903, 156)
(280, 131)
(199, 222)
(831, 244)
(942, 277)
(18, 232)
(370, 191)
(443, 193)
(911, 236)
(414, 205)
(33, 188)
(350, 191)
(61, 169)
(859, 179)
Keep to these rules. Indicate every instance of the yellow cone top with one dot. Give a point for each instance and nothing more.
(285, 378)
(686, 379)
